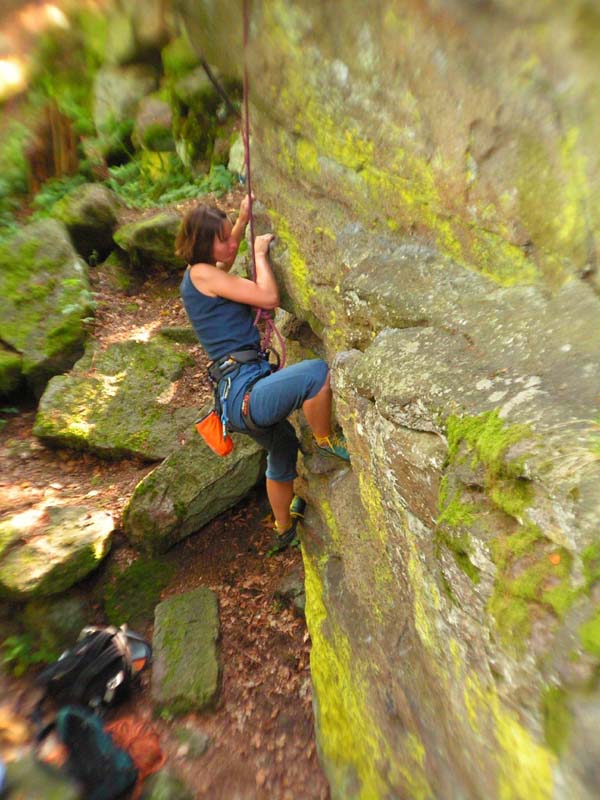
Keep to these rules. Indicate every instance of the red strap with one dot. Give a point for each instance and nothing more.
(270, 327)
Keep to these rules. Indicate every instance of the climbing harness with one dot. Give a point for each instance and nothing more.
(225, 369)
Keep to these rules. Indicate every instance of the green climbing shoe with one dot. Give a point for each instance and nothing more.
(297, 507)
(284, 539)
(334, 445)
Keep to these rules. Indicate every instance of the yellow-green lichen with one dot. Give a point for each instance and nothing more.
(406, 186)
(298, 268)
(359, 761)
(557, 718)
(330, 521)
(524, 766)
(350, 742)
(426, 600)
(381, 573)
(589, 634)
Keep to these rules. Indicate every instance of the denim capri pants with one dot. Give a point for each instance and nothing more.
(273, 399)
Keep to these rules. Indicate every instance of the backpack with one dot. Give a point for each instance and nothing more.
(98, 670)
(94, 761)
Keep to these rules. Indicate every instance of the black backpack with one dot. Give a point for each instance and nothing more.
(98, 670)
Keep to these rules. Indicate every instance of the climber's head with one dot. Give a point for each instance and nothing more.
(204, 236)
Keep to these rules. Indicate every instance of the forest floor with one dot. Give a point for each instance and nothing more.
(261, 736)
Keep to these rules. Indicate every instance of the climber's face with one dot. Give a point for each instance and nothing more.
(225, 246)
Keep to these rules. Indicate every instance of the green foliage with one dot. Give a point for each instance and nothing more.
(178, 58)
(21, 651)
(140, 188)
(52, 191)
(13, 174)
(158, 138)
(136, 591)
(63, 70)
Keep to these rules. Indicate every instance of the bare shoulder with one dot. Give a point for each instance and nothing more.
(202, 276)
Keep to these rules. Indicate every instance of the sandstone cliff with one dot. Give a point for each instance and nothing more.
(432, 175)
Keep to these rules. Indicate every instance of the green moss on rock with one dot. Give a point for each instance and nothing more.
(11, 365)
(186, 668)
(532, 573)
(131, 598)
(45, 300)
(557, 718)
(589, 634)
(487, 435)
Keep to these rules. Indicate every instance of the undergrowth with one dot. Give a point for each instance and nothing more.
(21, 651)
(138, 187)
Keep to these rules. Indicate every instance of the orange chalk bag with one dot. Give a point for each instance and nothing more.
(212, 427)
(214, 434)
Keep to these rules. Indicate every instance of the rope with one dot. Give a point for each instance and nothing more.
(270, 327)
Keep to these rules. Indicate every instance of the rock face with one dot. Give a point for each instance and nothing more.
(185, 674)
(188, 489)
(117, 92)
(151, 241)
(90, 214)
(44, 301)
(115, 402)
(153, 125)
(435, 193)
(44, 551)
(28, 777)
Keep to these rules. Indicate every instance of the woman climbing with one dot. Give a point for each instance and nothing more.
(220, 309)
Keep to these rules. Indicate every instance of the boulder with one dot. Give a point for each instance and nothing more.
(117, 92)
(54, 623)
(29, 778)
(164, 785)
(178, 58)
(193, 742)
(90, 215)
(196, 91)
(151, 241)
(290, 590)
(137, 32)
(191, 487)
(236, 162)
(11, 371)
(120, 278)
(115, 402)
(186, 671)
(45, 301)
(153, 121)
(47, 549)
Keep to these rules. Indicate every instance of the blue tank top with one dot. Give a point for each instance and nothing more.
(222, 326)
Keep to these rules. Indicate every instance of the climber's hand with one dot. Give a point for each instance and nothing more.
(261, 244)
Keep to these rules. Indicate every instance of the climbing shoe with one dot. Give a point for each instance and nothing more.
(334, 445)
(297, 507)
(284, 539)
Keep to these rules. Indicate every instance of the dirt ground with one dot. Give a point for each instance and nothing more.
(261, 737)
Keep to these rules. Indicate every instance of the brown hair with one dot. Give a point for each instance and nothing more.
(196, 235)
